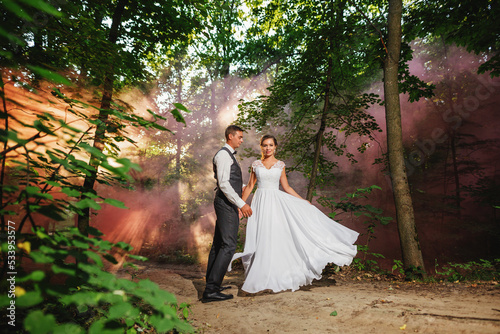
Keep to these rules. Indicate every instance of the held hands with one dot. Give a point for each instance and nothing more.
(246, 211)
(239, 210)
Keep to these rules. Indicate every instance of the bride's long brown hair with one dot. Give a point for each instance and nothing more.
(264, 137)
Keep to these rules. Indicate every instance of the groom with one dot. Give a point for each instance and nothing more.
(227, 202)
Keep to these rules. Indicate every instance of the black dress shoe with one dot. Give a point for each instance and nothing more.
(222, 288)
(215, 297)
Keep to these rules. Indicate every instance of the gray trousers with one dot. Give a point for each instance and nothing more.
(224, 243)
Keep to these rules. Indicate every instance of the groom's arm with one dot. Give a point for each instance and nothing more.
(223, 161)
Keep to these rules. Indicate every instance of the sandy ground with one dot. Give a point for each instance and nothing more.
(365, 305)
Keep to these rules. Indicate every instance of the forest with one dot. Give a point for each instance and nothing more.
(112, 112)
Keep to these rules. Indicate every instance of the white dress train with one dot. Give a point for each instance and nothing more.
(289, 241)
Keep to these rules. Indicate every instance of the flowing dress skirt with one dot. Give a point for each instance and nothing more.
(289, 242)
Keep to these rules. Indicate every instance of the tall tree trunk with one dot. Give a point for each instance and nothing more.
(410, 246)
(178, 142)
(178, 139)
(99, 138)
(320, 133)
(37, 55)
(454, 160)
(445, 186)
(449, 83)
(212, 95)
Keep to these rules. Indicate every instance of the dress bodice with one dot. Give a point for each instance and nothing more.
(268, 178)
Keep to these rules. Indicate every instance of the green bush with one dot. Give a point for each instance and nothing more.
(483, 270)
(59, 281)
(371, 218)
(71, 292)
(61, 284)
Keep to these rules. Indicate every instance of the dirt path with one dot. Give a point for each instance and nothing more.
(362, 306)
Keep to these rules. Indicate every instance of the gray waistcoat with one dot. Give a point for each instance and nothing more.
(235, 178)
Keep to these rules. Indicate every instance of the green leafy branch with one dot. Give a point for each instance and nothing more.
(87, 297)
(373, 217)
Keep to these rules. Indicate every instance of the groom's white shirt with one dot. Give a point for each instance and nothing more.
(223, 161)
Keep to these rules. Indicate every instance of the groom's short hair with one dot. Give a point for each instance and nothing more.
(232, 129)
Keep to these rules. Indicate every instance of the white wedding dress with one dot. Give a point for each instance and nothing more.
(289, 241)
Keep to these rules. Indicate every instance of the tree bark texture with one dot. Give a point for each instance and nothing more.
(449, 82)
(320, 133)
(178, 139)
(456, 175)
(410, 246)
(324, 116)
(100, 133)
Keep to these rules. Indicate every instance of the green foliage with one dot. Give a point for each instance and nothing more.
(49, 37)
(87, 298)
(35, 180)
(411, 84)
(398, 265)
(413, 273)
(471, 24)
(179, 256)
(177, 112)
(483, 270)
(317, 54)
(44, 183)
(350, 203)
(372, 216)
(367, 264)
(217, 45)
(61, 282)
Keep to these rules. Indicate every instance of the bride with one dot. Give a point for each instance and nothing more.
(288, 240)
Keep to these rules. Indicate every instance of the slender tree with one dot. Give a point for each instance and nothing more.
(319, 135)
(320, 69)
(410, 246)
(153, 28)
(99, 138)
(326, 106)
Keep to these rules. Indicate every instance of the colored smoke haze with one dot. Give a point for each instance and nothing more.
(465, 105)
(426, 125)
(152, 225)
(171, 213)
(178, 215)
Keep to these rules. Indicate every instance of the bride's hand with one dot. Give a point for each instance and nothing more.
(240, 213)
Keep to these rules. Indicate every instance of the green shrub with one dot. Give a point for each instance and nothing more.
(71, 292)
(483, 270)
(372, 217)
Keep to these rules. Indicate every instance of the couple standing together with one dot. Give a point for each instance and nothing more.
(288, 240)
